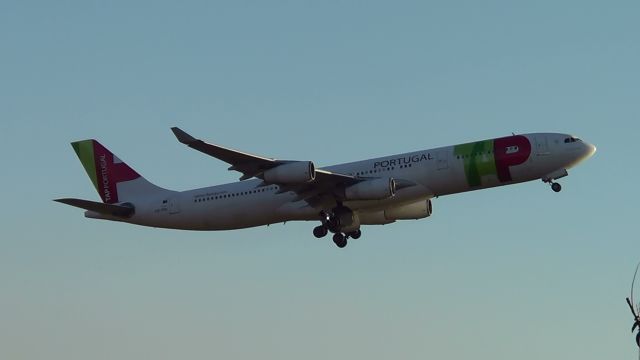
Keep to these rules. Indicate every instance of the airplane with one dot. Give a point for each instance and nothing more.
(342, 198)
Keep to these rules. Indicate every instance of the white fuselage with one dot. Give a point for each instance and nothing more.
(433, 172)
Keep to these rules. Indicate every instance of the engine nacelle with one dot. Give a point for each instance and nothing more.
(291, 173)
(374, 218)
(417, 210)
(375, 189)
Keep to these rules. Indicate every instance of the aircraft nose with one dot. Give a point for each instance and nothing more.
(589, 150)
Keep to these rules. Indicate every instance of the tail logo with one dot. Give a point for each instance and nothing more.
(106, 193)
(105, 169)
(112, 171)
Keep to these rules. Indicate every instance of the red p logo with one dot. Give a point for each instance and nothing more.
(510, 151)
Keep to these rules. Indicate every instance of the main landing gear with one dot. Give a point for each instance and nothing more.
(331, 223)
(339, 238)
(320, 231)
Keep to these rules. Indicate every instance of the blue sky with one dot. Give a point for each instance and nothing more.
(513, 272)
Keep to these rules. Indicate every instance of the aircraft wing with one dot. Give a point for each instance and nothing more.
(249, 165)
(252, 165)
(325, 184)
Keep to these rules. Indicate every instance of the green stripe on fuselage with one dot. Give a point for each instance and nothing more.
(84, 150)
(479, 160)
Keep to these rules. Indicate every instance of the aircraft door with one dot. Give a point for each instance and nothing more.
(442, 159)
(542, 147)
(174, 206)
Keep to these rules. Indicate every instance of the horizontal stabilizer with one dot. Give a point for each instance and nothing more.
(102, 208)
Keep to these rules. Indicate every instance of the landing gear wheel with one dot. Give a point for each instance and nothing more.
(320, 231)
(356, 234)
(340, 240)
(556, 187)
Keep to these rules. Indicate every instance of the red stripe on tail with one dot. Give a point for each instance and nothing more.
(109, 174)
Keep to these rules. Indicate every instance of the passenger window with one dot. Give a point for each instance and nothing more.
(512, 149)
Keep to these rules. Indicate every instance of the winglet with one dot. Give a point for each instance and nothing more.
(182, 136)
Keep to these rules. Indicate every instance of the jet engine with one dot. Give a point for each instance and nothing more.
(375, 189)
(416, 210)
(291, 173)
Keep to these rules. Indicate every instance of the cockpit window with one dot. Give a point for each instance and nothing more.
(571, 140)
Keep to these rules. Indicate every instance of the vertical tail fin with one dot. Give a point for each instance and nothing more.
(114, 180)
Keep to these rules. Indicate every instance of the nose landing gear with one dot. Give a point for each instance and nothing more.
(556, 187)
(555, 176)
